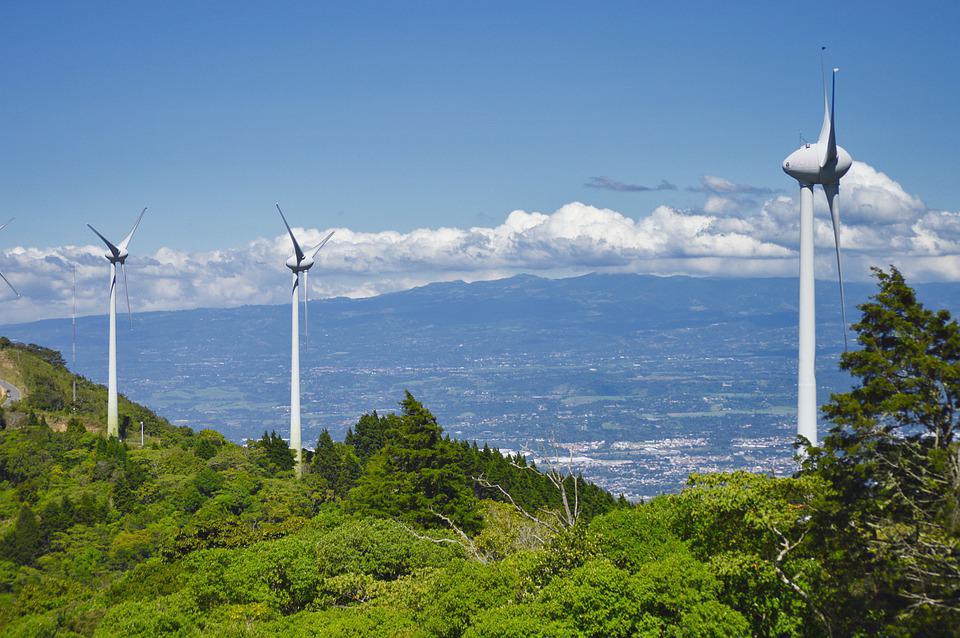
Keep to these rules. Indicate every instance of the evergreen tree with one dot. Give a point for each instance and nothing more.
(369, 436)
(75, 429)
(278, 457)
(416, 475)
(890, 527)
(87, 510)
(337, 463)
(55, 516)
(124, 498)
(326, 462)
(113, 450)
(23, 543)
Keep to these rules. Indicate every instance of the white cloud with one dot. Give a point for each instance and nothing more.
(718, 205)
(728, 236)
(871, 197)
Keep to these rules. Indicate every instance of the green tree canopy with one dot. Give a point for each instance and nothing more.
(336, 463)
(369, 434)
(416, 476)
(277, 455)
(889, 525)
(23, 543)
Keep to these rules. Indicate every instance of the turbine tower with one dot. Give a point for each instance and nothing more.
(118, 255)
(1, 274)
(298, 263)
(824, 163)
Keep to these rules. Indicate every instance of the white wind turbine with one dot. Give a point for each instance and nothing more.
(1, 274)
(298, 263)
(117, 255)
(824, 163)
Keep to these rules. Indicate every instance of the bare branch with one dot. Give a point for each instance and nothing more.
(482, 480)
(786, 547)
(466, 544)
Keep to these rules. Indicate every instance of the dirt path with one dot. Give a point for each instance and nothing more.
(11, 392)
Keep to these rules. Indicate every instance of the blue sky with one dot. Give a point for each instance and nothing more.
(454, 140)
(393, 116)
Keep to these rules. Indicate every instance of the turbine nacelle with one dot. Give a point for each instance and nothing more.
(804, 165)
(299, 266)
(118, 258)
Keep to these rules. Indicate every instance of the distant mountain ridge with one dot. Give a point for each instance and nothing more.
(676, 298)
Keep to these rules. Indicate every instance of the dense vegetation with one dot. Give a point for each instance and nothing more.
(399, 531)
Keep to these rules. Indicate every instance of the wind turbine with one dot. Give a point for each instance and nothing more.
(1, 274)
(298, 263)
(824, 163)
(118, 255)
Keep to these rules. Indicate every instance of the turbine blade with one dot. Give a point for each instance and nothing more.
(7, 224)
(832, 191)
(323, 243)
(828, 138)
(126, 240)
(126, 291)
(296, 246)
(9, 284)
(832, 139)
(306, 305)
(113, 249)
(824, 129)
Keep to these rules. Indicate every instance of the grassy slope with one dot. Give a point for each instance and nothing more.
(48, 389)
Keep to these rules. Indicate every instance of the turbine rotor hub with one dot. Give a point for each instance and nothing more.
(305, 264)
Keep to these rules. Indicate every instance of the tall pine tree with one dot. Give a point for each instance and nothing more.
(417, 476)
(890, 524)
(337, 463)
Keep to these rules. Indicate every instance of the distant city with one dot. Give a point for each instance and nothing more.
(637, 381)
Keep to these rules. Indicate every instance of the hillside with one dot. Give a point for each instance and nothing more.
(80, 512)
(47, 386)
(400, 531)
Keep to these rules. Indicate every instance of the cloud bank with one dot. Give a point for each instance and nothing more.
(730, 235)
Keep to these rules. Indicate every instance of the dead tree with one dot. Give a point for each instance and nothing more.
(552, 520)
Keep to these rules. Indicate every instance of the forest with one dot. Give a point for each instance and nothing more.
(400, 531)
